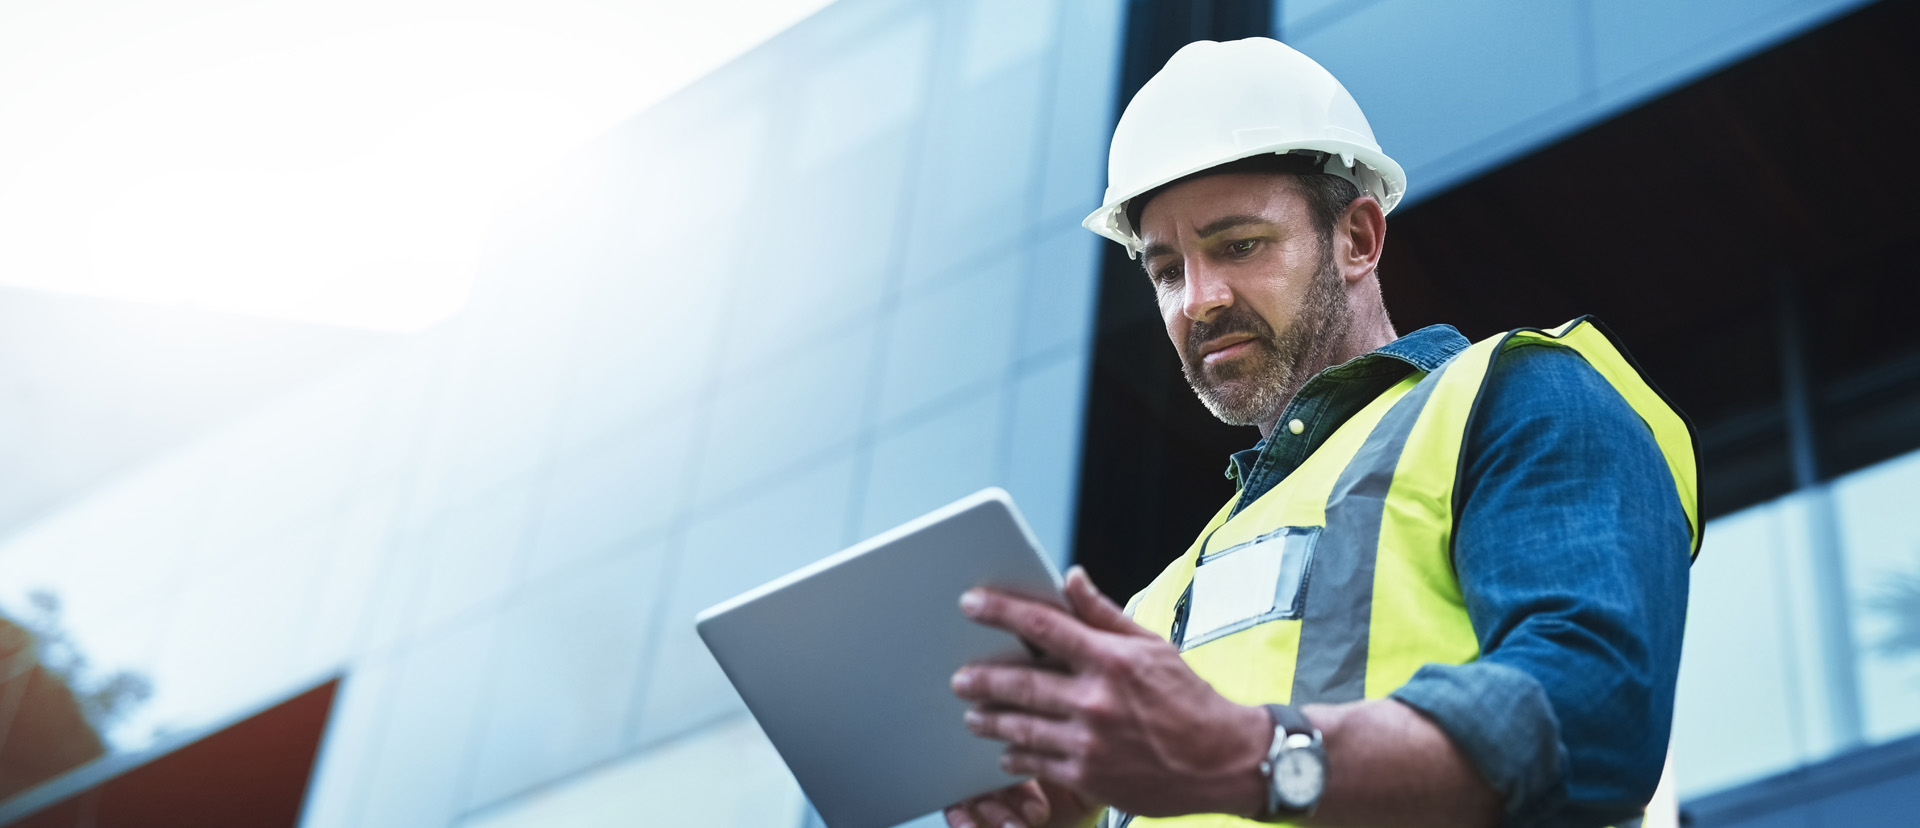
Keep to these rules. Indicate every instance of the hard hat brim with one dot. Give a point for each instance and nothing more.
(1110, 220)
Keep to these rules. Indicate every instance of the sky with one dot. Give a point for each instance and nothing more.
(334, 162)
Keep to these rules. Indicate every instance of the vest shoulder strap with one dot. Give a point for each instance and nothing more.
(1591, 339)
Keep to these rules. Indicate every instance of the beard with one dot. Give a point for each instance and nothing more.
(1251, 388)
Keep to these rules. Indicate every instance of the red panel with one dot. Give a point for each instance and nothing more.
(252, 774)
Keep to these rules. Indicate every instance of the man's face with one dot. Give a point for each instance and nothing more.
(1249, 294)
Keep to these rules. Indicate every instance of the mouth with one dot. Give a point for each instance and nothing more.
(1225, 347)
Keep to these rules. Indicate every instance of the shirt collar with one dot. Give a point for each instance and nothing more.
(1426, 349)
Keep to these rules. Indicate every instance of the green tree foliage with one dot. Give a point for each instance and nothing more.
(1899, 599)
(103, 698)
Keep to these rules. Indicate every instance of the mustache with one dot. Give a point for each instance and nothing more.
(1234, 319)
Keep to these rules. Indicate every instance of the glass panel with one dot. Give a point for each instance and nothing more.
(1001, 33)
(1738, 648)
(1056, 311)
(1298, 16)
(953, 338)
(399, 415)
(1461, 96)
(1640, 38)
(1043, 458)
(226, 644)
(297, 457)
(359, 548)
(425, 746)
(657, 788)
(491, 417)
(645, 348)
(615, 491)
(132, 538)
(803, 406)
(1080, 112)
(1753, 648)
(563, 678)
(830, 258)
(727, 551)
(476, 554)
(863, 91)
(960, 214)
(1882, 543)
(931, 463)
(709, 164)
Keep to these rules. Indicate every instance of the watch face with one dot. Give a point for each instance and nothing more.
(1299, 777)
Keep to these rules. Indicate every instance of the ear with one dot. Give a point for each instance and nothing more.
(1359, 237)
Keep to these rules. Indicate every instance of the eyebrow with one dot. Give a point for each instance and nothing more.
(1212, 228)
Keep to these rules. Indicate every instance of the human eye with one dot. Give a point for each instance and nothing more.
(1168, 274)
(1242, 247)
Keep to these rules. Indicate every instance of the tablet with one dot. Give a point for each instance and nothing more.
(846, 662)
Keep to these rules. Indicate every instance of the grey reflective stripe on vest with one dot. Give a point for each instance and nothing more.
(1331, 665)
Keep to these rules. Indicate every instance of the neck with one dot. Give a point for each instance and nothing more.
(1370, 330)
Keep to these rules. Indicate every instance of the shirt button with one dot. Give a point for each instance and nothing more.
(1295, 426)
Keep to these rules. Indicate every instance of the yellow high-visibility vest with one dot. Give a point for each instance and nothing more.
(1361, 535)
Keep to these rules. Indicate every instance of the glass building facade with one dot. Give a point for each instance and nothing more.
(831, 286)
(836, 284)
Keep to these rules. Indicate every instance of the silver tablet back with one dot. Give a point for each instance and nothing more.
(845, 663)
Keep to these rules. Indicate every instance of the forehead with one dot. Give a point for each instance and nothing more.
(1196, 202)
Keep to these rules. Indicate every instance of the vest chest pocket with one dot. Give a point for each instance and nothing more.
(1247, 584)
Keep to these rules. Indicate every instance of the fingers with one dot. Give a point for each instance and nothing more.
(1020, 805)
(968, 814)
(1020, 687)
(1030, 801)
(964, 815)
(1027, 732)
(1093, 607)
(993, 812)
(1050, 628)
(1060, 769)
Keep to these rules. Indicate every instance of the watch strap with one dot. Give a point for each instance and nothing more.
(1289, 719)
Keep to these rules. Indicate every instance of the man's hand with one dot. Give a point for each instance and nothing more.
(1032, 803)
(1126, 721)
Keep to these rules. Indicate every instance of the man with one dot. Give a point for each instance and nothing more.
(1450, 587)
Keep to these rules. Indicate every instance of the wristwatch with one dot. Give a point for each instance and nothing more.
(1295, 767)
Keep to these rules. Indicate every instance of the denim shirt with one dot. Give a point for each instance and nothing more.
(1572, 551)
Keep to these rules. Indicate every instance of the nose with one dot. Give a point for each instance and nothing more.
(1207, 291)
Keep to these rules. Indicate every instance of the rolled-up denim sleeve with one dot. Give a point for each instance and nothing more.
(1572, 551)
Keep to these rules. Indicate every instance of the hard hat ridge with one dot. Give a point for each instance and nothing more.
(1215, 103)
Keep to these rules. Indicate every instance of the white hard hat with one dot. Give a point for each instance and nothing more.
(1219, 102)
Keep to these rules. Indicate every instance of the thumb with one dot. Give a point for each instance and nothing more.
(1093, 607)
